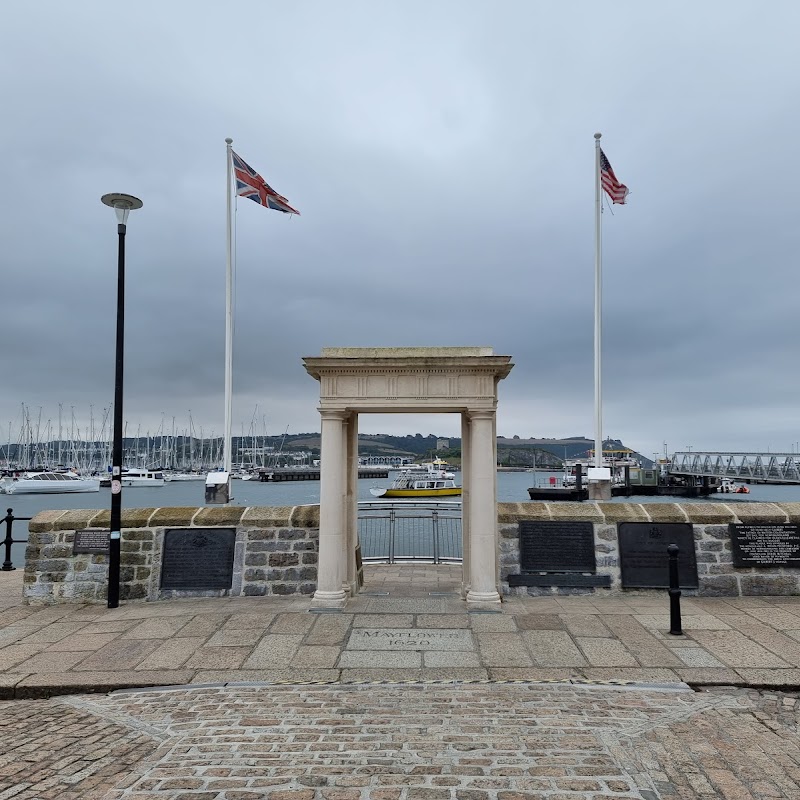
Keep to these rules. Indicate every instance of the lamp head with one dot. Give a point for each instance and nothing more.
(123, 204)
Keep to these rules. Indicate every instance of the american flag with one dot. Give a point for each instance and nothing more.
(250, 184)
(613, 188)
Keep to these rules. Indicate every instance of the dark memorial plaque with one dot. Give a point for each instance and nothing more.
(91, 541)
(765, 545)
(198, 558)
(556, 546)
(643, 557)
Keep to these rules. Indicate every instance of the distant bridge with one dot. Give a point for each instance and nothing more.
(752, 467)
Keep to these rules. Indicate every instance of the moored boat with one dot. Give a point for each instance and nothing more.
(431, 483)
(49, 483)
(132, 478)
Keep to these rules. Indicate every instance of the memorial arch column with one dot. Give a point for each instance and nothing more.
(465, 504)
(482, 510)
(351, 505)
(331, 569)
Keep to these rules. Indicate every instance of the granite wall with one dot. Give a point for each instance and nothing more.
(275, 553)
(276, 549)
(716, 573)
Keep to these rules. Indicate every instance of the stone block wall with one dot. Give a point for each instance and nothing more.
(716, 573)
(275, 553)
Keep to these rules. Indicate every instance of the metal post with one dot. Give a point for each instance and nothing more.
(627, 480)
(9, 521)
(435, 518)
(391, 536)
(674, 592)
(116, 454)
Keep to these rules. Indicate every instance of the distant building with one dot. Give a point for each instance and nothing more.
(442, 444)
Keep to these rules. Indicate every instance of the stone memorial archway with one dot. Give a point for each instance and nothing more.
(407, 380)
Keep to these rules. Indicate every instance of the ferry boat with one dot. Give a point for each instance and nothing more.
(49, 483)
(431, 483)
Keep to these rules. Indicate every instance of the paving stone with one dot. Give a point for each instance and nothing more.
(122, 654)
(204, 625)
(172, 653)
(206, 657)
(405, 639)
(235, 638)
(365, 659)
(551, 649)
(770, 677)
(407, 606)
(383, 621)
(708, 676)
(606, 653)
(273, 651)
(291, 623)
(329, 629)
(249, 621)
(540, 622)
(503, 650)
(47, 661)
(588, 625)
(492, 623)
(735, 650)
(451, 659)
(83, 641)
(315, 657)
(634, 674)
(159, 628)
(697, 657)
(701, 622)
(442, 621)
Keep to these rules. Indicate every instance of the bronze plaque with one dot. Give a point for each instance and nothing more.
(91, 541)
(643, 557)
(556, 546)
(198, 558)
(769, 545)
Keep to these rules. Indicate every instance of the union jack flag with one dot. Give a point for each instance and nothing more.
(611, 185)
(250, 184)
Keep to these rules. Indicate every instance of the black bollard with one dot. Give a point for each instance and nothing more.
(674, 592)
(8, 541)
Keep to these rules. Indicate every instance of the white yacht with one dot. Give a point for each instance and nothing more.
(132, 478)
(49, 483)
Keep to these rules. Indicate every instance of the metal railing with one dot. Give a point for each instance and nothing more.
(8, 541)
(393, 532)
(761, 467)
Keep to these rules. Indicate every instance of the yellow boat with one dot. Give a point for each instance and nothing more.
(432, 484)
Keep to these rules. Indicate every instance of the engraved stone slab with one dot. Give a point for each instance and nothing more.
(546, 546)
(91, 541)
(765, 545)
(643, 557)
(410, 639)
(198, 558)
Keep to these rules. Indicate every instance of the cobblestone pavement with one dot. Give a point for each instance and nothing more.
(490, 741)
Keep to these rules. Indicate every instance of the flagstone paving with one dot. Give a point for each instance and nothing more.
(409, 624)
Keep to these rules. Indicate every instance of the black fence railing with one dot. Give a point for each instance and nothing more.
(9, 520)
(410, 531)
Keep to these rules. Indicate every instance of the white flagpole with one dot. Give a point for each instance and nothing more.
(229, 316)
(598, 307)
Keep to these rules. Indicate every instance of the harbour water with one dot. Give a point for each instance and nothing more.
(511, 487)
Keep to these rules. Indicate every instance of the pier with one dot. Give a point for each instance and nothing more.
(777, 468)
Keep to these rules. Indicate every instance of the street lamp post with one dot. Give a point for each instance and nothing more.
(123, 204)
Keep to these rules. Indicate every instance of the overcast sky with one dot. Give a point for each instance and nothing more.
(442, 157)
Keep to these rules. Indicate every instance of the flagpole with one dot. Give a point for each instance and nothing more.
(598, 306)
(229, 315)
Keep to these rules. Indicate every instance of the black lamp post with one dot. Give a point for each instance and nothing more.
(123, 204)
